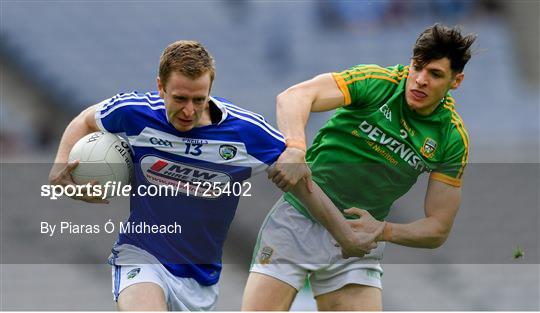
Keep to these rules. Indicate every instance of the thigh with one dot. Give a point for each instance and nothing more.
(186, 294)
(266, 293)
(351, 297)
(288, 246)
(139, 287)
(142, 297)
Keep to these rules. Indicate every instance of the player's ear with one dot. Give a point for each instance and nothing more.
(161, 88)
(457, 80)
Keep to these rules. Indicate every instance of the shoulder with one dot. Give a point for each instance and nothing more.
(456, 134)
(132, 102)
(391, 74)
(246, 122)
(130, 112)
(369, 83)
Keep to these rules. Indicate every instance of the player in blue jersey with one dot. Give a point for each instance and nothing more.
(182, 136)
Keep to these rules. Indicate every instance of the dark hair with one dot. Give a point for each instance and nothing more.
(187, 57)
(437, 42)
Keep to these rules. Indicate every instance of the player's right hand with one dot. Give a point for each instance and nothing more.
(362, 243)
(61, 175)
(289, 169)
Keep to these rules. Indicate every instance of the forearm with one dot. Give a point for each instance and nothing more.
(79, 127)
(441, 206)
(426, 232)
(293, 108)
(61, 171)
(325, 212)
(74, 131)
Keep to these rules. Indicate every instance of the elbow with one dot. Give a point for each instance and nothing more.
(284, 95)
(279, 99)
(296, 92)
(437, 239)
(434, 244)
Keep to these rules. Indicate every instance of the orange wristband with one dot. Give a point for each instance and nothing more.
(296, 143)
(387, 232)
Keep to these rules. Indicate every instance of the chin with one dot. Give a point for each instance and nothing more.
(183, 128)
(413, 105)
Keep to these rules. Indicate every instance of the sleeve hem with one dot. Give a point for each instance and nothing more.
(452, 181)
(343, 87)
(97, 117)
(99, 123)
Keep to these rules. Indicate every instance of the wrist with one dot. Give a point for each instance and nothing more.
(344, 235)
(296, 143)
(386, 234)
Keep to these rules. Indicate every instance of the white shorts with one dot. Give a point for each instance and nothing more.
(291, 247)
(132, 265)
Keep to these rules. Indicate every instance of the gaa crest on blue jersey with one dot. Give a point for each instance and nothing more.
(429, 147)
(227, 152)
(134, 272)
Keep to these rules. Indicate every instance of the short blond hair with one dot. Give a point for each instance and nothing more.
(187, 57)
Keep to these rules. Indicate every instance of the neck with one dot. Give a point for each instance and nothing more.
(205, 118)
(430, 109)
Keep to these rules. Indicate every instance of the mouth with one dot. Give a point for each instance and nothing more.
(184, 121)
(418, 95)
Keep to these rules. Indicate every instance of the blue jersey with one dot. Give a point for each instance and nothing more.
(230, 151)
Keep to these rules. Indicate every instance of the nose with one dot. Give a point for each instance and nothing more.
(421, 79)
(188, 109)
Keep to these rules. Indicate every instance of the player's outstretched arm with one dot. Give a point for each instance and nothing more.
(293, 108)
(352, 243)
(80, 126)
(441, 206)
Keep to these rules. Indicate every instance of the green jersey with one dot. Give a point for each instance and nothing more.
(373, 149)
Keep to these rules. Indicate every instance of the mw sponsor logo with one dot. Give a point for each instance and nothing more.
(160, 171)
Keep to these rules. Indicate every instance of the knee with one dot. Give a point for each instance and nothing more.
(351, 297)
(265, 293)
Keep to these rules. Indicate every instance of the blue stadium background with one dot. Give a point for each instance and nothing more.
(59, 57)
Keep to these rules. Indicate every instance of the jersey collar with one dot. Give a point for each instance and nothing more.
(221, 107)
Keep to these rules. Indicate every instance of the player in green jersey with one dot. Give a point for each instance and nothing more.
(391, 125)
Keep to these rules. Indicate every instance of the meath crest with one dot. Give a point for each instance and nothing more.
(265, 255)
(227, 152)
(428, 149)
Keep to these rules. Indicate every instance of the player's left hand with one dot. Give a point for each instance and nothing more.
(365, 223)
(361, 244)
